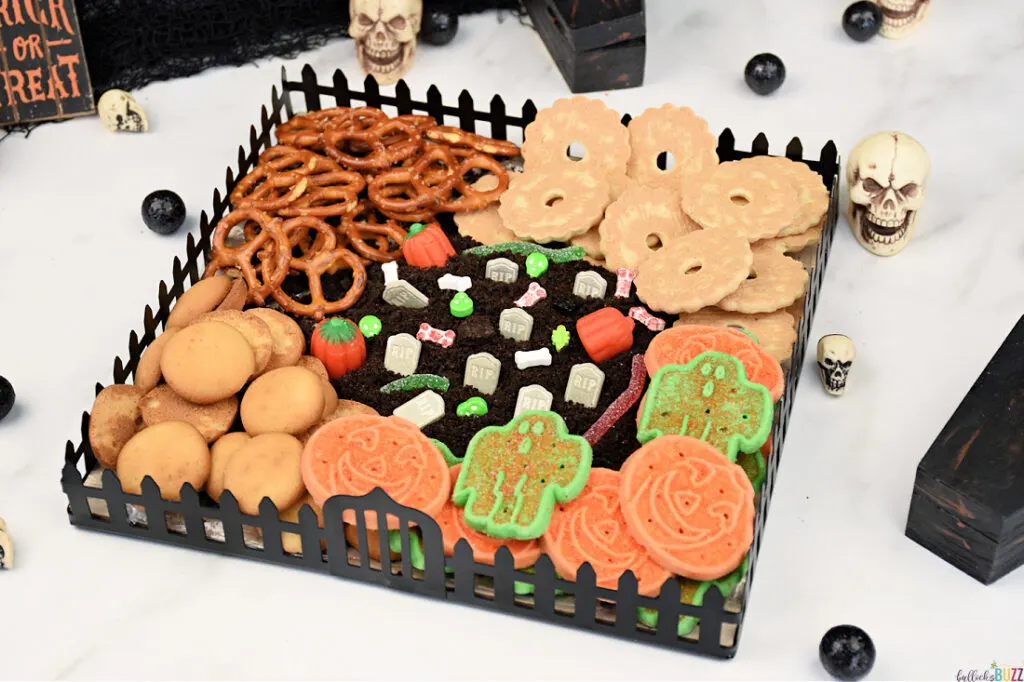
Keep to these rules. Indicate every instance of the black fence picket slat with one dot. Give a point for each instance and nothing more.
(580, 604)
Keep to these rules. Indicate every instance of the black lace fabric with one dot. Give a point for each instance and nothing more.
(129, 43)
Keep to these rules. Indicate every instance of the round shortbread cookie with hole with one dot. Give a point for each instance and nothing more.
(284, 400)
(220, 453)
(162, 404)
(742, 198)
(674, 138)
(638, 224)
(202, 297)
(590, 242)
(113, 421)
(207, 362)
(237, 296)
(547, 206)
(255, 331)
(812, 194)
(147, 372)
(694, 271)
(775, 332)
(171, 453)
(793, 243)
(266, 466)
(775, 281)
(289, 343)
(485, 225)
(577, 133)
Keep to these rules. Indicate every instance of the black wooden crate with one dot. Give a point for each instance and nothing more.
(968, 500)
(100, 504)
(596, 44)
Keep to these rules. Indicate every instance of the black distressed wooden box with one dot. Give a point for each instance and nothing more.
(968, 501)
(597, 44)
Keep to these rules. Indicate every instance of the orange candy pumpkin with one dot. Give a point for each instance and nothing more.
(338, 344)
(605, 333)
(427, 246)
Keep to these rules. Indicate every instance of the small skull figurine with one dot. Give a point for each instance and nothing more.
(385, 34)
(887, 175)
(6, 548)
(835, 357)
(901, 17)
(121, 113)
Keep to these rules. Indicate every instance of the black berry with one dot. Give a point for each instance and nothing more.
(163, 211)
(567, 305)
(847, 652)
(765, 73)
(439, 26)
(862, 19)
(6, 397)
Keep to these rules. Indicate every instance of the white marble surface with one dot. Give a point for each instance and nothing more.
(77, 266)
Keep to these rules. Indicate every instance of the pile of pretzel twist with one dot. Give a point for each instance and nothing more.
(333, 195)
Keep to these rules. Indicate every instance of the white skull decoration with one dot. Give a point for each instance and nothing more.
(6, 548)
(901, 17)
(887, 175)
(835, 357)
(385, 34)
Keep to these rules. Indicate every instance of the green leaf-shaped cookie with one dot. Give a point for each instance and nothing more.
(711, 399)
(513, 475)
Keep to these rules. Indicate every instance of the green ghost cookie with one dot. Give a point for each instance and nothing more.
(711, 399)
(513, 475)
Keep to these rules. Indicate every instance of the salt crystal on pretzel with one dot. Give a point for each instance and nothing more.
(533, 294)
(443, 338)
(390, 271)
(454, 282)
(526, 359)
(644, 317)
(623, 281)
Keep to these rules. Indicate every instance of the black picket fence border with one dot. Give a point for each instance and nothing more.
(223, 529)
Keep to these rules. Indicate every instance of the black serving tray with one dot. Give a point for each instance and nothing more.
(97, 502)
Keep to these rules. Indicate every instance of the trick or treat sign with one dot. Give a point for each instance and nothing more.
(42, 64)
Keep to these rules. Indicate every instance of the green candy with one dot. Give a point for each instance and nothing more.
(370, 325)
(461, 305)
(536, 264)
(560, 338)
(564, 255)
(415, 382)
(473, 407)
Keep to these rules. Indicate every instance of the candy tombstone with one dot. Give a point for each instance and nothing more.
(605, 333)
(427, 246)
(338, 344)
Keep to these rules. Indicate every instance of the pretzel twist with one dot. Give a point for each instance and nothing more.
(270, 239)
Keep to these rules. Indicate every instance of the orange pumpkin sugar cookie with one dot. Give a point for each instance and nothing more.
(680, 344)
(688, 505)
(743, 199)
(775, 332)
(547, 206)
(454, 528)
(637, 224)
(353, 455)
(775, 281)
(592, 528)
(812, 194)
(673, 130)
(694, 271)
(578, 125)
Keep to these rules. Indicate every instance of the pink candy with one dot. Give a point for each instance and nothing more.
(623, 282)
(535, 293)
(644, 317)
(622, 404)
(443, 338)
